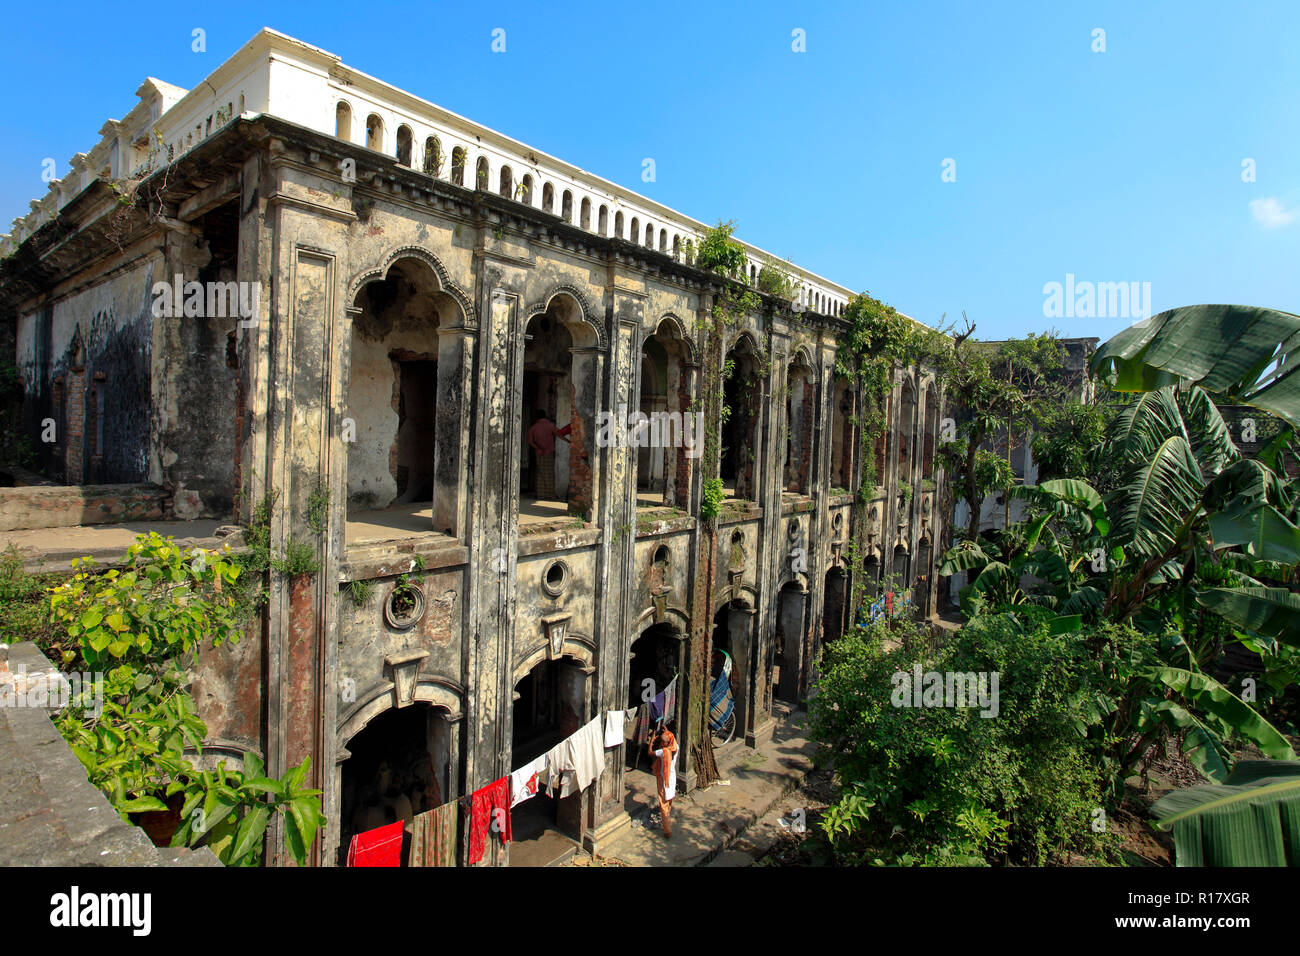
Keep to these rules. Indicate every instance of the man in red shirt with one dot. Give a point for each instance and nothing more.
(541, 438)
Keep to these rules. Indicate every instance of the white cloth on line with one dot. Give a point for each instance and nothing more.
(615, 727)
(589, 752)
(525, 781)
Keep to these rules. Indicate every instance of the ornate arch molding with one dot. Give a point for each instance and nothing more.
(674, 616)
(578, 646)
(428, 258)
(584, 304)
(744, 334)
(805, 354)
(681, 335)
(743, 593)
(439, 692)
(797, 577)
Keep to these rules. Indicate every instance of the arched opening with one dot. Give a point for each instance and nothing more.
(921, 587)
(526, 193)
(931, 433)
(602, 221)
(548, 198)
(742, 393)
(458, 165)
(677, 247)
(801, 419)
(404, 145)
(732, 635)
(671, 434)
(901, 573)
(404, 400)
(584, 219)
(560, 397)
(433, 157)
(618, 225)
(550, 704)
(375, 132)
(871, 578)
(481, 173)
(834, 604)
(842, 438)
(507, 183)
(663, 240)
(649, 235)
(566, 206)
(906, 432)
(400, 766)
(343, 121)
(789, 677)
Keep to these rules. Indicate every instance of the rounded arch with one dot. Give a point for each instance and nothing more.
(584, 308)
(428, 258)
(802, 356)
(745, 342)
(343, 120)
(674, 617)
(671, 326)
(436, 691)
(576, 646)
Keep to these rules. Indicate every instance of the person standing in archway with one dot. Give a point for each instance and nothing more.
(664, 750)
(541, 438)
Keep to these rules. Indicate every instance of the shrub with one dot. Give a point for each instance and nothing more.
(945, 785)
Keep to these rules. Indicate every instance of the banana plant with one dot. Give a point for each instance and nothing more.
(1251, 819)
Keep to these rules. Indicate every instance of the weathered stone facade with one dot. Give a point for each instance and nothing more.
(408, 330)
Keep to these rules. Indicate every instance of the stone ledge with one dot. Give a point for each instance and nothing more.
(66, 506)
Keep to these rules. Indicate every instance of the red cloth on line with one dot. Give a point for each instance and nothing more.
(483, 804)
(378, 847)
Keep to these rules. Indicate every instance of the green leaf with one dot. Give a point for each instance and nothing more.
(142, 804)
(1270, 612)
(1212, 697)
(1242, 354)
(1251, 820)
(250, 831)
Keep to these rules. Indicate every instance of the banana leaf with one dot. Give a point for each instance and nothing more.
(1225, 708)
(1252, 819)
(1270, 612)
(1238, 353)
(1263, 530)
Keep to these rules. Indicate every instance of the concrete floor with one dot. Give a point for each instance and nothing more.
(52, 549)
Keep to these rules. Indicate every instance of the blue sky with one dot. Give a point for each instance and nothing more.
(1115, 166)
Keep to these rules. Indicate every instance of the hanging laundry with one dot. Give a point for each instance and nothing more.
(379, 847)
(559, 768)
(588, 752)
(664, 706)
(484, 805)
(616, 727)
(642, 733)
(433, 837)
(525, 781)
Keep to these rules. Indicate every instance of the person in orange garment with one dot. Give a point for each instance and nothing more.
(541, 438)
(663, 746)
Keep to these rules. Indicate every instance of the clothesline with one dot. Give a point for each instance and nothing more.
(572, 766)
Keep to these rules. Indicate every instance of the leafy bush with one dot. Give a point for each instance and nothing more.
(139, 626)
(945, 785)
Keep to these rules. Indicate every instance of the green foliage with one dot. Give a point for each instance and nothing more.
(1251, 819)
(360, 591)
(299, 558)
(711, 498)
(945, 785)
(318, 508)
(163, 598)
(718, 252)
(139, 626)
(24, 613)
(775, 282)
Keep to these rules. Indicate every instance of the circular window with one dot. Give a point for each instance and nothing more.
(838, 521)
(555, 579)
(405, 606)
